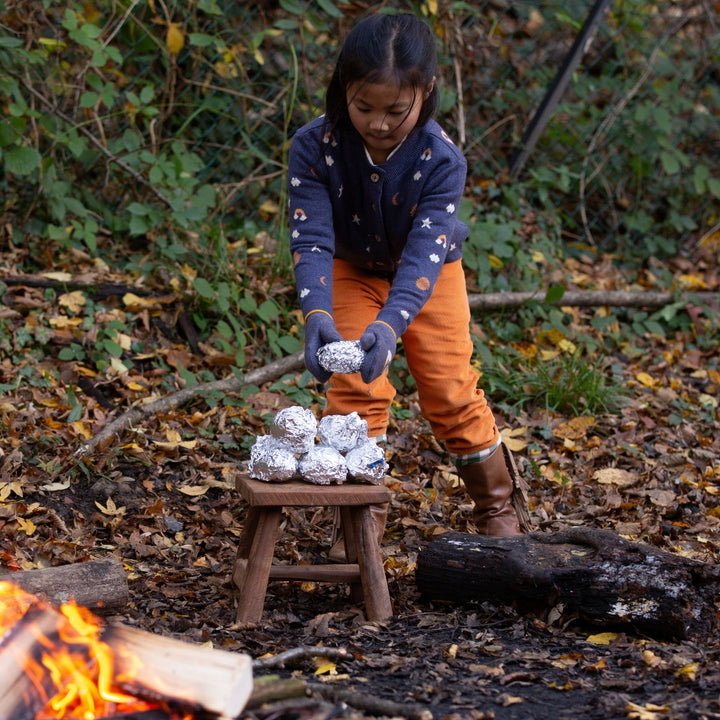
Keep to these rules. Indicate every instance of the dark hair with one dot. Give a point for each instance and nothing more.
(384, 48)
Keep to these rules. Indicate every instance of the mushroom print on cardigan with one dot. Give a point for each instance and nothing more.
(398, 220)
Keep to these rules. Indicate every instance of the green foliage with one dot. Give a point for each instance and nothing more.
(569, 383)
(168, 159)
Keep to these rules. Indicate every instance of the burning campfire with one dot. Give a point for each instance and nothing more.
(64, 664)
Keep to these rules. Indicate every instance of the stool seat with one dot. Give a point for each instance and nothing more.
(364, 570)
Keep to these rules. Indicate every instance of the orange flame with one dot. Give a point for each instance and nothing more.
(80, 665)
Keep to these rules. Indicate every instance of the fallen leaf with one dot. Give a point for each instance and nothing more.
(73, 301)
(602, 638)
(56, 486)
(193, 490)
(110, 508)
(615, 476)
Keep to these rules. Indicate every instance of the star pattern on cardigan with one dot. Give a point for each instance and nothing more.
(395, 219)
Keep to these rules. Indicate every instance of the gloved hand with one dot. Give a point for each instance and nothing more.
(319, 330)
(379, 342)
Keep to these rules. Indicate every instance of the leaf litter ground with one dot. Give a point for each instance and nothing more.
(162, 500)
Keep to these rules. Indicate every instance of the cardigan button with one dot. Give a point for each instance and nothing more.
(375, 177)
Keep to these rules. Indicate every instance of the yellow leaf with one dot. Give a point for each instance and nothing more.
(59, 276)
(602, 638)
(268, 209)
(514, 444)
(8, 487)
(647, 380)
(65, 322)
(73, 301)
(689, 672)
(27, 526)
(537, 257)
(574, 429)
(82, 429)
(645, 712)
(259, 59)
(495, 261)
(692, 282)
(174, 38)
(193, 490)
(327, 668)
(110, 508)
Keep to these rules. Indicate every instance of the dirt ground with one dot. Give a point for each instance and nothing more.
(175, 524)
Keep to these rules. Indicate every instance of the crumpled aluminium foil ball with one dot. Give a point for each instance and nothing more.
(270, 461)
(343, 432)
(323, 465)
(344, 356)
(366, 463)
(295, 428)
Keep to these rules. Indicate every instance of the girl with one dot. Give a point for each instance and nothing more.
(374, 188)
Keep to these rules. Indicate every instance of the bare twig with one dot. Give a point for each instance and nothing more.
(376, 706)
(299, 653)
(589, 298)
(274, 370)
(293, 363)
(97, 143)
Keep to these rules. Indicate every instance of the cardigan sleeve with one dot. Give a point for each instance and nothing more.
(435, 231)
(312, 238)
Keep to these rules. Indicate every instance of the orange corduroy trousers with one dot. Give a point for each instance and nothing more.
(438, 350)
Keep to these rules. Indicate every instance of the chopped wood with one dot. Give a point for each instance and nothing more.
(22, 697)
(607, 580)
(199, 677)
(146, 666)
(100, 585)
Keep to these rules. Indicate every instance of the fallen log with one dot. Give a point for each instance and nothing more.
(606, 580)
(99, 585)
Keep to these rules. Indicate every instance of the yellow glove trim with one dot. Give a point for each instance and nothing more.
(382, 322)
(324, 312)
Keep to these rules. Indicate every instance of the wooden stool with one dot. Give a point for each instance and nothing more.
(364, 570)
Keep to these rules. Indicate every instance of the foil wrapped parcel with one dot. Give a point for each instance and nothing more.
(271, 461)
(290, 451)
(366, 463)
(343, 356)
(295, 427)
(323, 465)
(343, 432)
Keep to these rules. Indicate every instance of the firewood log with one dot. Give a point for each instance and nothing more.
(606, 580)
(99, 585)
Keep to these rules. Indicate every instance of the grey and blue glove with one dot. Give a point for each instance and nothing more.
(379, 343)
(319, 330)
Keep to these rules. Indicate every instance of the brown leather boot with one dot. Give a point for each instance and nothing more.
(337, 551)
(499, 494)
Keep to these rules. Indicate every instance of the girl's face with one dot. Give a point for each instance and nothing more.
(383, 113)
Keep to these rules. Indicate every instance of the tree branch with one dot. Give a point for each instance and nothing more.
(231, 384)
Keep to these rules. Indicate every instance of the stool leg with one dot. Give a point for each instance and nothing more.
(350, 539)
(372, 574)
(257, 562)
